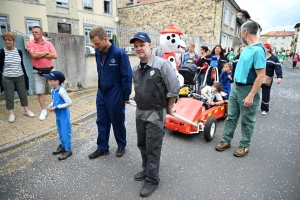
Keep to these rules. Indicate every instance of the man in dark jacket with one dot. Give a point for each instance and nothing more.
(114, 88)
(156, 89)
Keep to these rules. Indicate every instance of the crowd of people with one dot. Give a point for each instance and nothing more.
(241, 76)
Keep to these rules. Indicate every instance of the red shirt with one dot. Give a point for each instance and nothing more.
(44, 46)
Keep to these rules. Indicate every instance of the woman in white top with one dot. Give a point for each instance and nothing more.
(13, 76)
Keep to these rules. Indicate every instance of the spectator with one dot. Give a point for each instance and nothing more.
(217, 51)
(190, 56)
(273, 64)
(236, 59)
(201, 66)
(41, 52)
(13, 76)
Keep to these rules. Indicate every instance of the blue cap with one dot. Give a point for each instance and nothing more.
(141, 36)
(55, 75)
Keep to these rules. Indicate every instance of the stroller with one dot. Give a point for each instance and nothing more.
(188, 72)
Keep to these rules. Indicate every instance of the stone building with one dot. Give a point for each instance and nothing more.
(279, 40)
(216, 21)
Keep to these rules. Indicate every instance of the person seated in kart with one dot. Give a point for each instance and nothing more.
(210, 95)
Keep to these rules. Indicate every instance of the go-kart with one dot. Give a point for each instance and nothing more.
(188, 117)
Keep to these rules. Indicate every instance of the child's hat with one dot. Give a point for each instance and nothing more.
(55, 75)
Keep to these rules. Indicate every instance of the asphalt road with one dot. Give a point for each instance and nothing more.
(190, 167)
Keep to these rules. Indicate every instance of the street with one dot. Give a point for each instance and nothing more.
(190, 167)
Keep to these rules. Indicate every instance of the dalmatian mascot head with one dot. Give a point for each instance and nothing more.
(171, 43)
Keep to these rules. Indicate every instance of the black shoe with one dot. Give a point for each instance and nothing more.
(59, 150)
(97, 153)
(65, 155)
(120, 152)
(147, 189)
(140, 176)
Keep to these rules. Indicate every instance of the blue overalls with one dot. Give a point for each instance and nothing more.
(62, 120)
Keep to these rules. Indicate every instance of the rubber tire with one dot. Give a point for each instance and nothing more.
(211, 121)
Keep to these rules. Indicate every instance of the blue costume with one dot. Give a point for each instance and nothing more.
(61, 103)
(226, 83)
(114, 87)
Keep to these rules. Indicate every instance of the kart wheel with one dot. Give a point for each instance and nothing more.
(210, 128)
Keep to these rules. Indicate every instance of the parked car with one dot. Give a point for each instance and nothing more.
(129, 50)
(89, 50)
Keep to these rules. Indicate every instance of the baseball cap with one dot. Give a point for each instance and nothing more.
(55, 75)
(141, 36)
(267, 45)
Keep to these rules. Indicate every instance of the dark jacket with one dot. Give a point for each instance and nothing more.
(273, 64)
(115, 72)
(2, 57)
(234, 64)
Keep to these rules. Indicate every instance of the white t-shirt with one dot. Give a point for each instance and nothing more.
(207, 90)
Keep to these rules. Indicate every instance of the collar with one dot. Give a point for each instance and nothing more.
(43, 41)
(150, 62)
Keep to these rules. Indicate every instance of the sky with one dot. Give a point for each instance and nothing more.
(273, 15)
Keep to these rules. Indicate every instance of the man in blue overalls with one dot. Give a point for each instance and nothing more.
(114, 88)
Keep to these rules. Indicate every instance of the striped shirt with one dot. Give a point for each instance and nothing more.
(12, 64)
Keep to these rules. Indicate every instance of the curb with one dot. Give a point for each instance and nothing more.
(25, 140)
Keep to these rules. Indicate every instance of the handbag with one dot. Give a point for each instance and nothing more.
(267, 80)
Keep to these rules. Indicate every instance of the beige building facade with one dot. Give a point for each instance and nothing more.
(279, 40)
(75, 17)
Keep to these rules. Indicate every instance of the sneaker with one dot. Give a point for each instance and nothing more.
(43, 115)
(120, 152)
(264, 113)
(59, 149)
(140, 176)
(222, 146)
(147, 189)
(97, 153)
(241, 151)
(11, 118)
(65, 155)
(29, 114)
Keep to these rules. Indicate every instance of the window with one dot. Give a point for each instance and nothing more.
(87, 30)
(87, 5)
(31, 23)
(275, 38)
(64, 3)
(238, 32)
(109, 33)
(232, 24)
(3, 24)
(226, 16)
(64, 28)
(283, 38)
(107, 6)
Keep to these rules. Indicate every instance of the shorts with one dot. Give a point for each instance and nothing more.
(40, 82)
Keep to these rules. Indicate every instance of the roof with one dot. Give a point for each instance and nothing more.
(297, 25)
(279, 33)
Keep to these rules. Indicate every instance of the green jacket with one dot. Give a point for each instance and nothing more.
(281, 57)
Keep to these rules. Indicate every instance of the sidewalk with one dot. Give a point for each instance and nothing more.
(25, 129)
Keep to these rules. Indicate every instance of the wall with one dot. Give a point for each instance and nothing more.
(192, 17)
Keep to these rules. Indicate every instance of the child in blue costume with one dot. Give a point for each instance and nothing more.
(226, 79)
(60, 105)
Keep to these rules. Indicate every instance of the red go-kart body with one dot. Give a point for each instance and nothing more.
(191, 110)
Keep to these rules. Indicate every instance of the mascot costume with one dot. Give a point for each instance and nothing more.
(171, 43)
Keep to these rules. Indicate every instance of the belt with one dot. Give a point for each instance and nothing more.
(242, 84)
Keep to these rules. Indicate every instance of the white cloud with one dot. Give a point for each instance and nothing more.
(273, 15)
